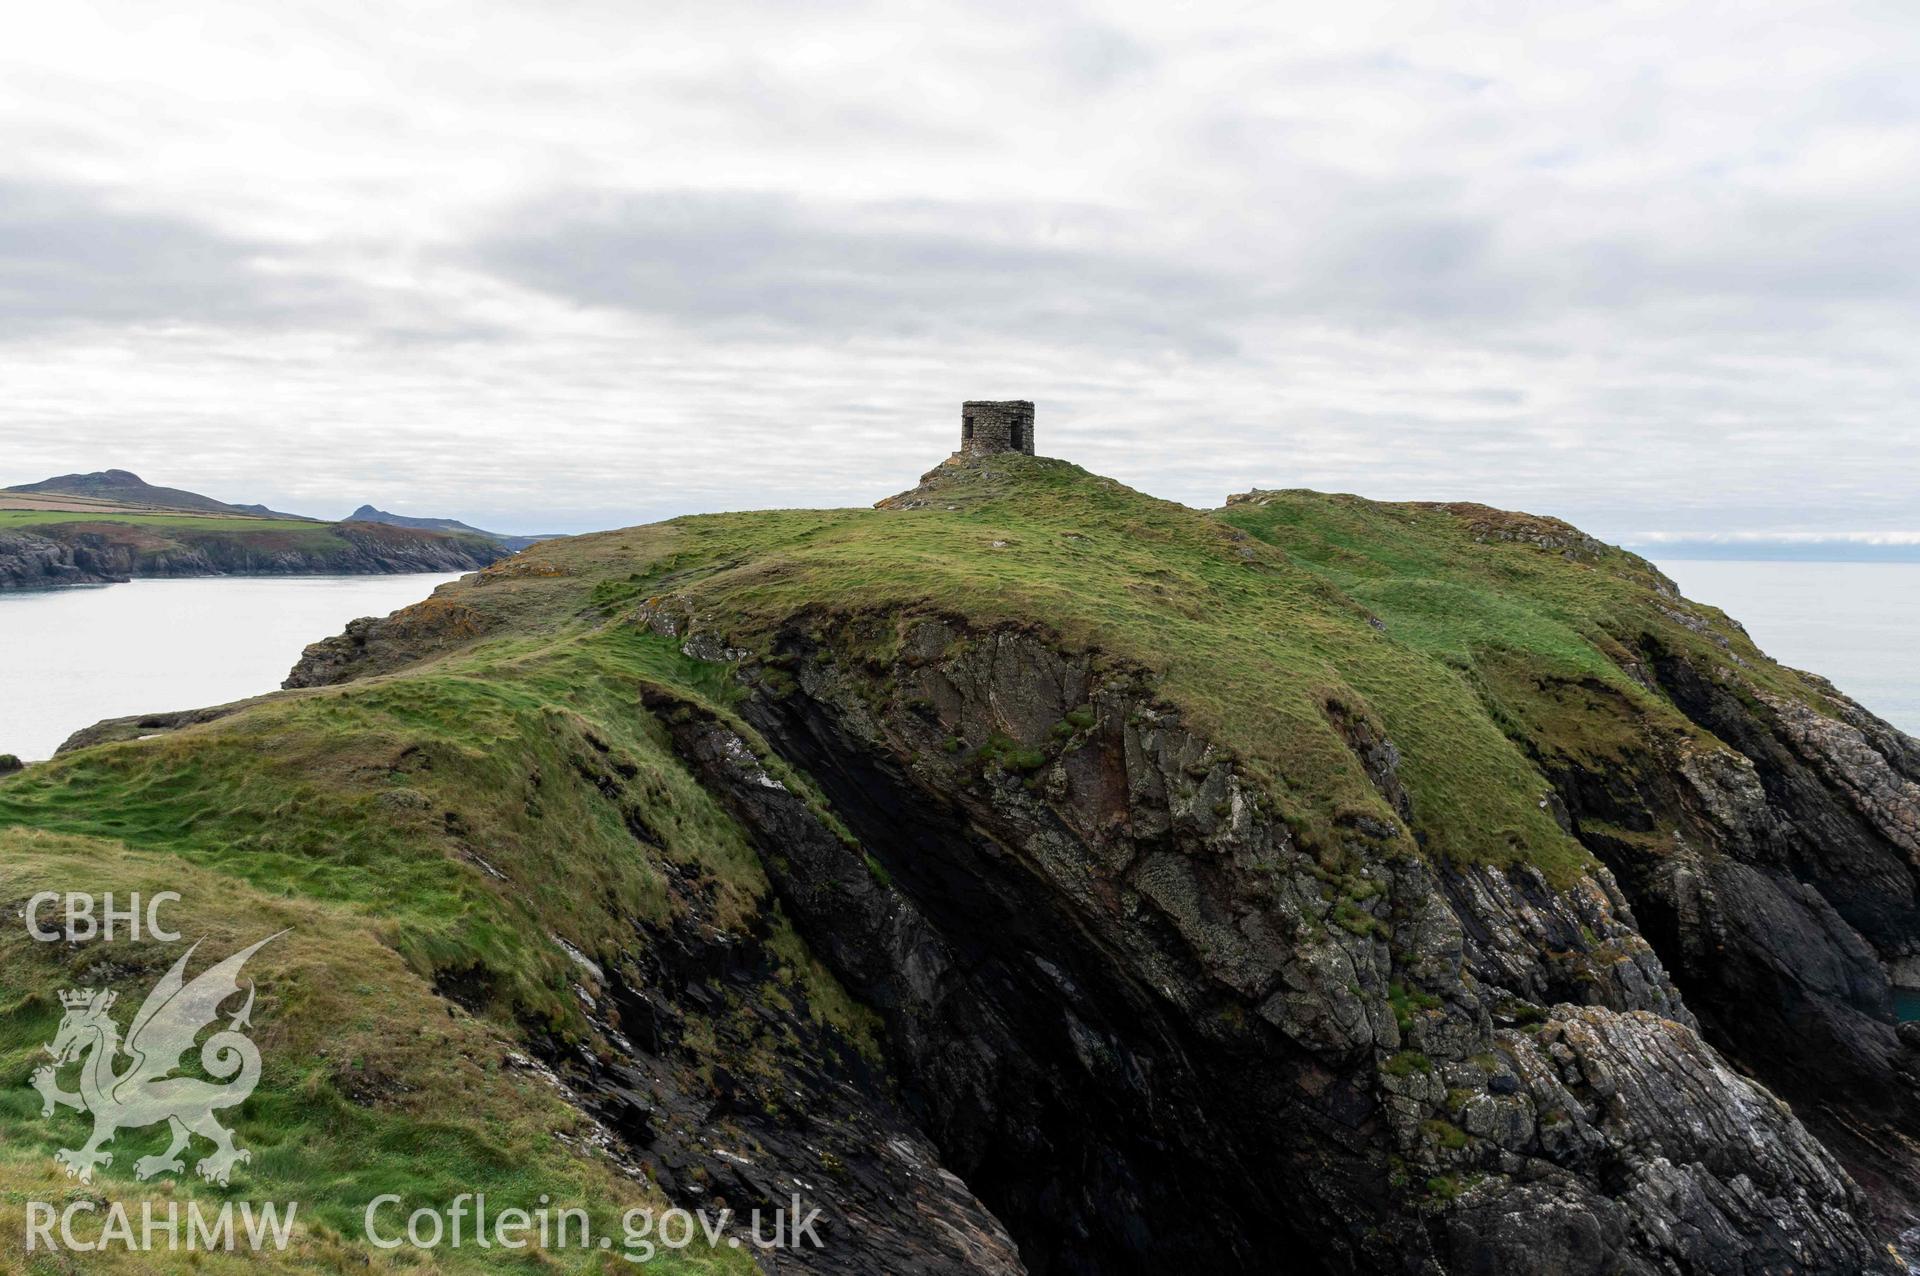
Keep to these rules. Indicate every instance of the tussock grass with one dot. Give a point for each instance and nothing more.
(408, 828)
(360, 1059)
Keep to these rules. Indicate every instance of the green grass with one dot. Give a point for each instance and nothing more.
(1252, 644)
(373, 819)
(1445, 1133)
(1408, 1004)
(379, 817)
(377, 796)
(1421, 620)
(1407, 1063)
(359, 1058)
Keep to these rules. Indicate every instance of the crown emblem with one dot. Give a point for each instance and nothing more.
(147, 1090)
(81, 998)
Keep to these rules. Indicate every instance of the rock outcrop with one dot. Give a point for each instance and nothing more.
(372, 643)
(1152, 1033)
(1774, 867)
(104, 552)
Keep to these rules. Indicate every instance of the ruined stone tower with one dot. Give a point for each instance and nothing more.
(996, 425)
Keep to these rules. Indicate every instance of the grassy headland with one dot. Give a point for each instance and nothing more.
(444, 825)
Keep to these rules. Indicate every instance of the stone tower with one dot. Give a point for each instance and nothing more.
(996, 425)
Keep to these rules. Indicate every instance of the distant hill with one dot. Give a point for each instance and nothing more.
(368, 514)
(127, 489)
(111, 525)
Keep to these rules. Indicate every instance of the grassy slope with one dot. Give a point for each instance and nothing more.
(362, 814)
(1545, 637)
(340, 1016)
(1449, 625)
(1251, 639)
(358, 816)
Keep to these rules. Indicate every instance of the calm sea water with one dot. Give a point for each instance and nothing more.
(70, 657)
(1857, 624)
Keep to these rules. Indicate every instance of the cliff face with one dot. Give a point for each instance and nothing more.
(1151, 1038)
(1051, 879)
(1775, 871)
(100, 552)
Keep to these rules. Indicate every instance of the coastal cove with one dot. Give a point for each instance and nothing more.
(70, 657)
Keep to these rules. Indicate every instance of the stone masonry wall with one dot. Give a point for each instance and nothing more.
(1004, 425)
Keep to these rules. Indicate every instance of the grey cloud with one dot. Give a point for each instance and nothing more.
(1767, 265)
(68, 256)
(1100, 56)
(1408, 267)
(771, 265)
(1649, 274)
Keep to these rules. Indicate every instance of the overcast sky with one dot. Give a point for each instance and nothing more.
(557, 265)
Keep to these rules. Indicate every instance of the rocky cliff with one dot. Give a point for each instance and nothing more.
(102, 550)
(1045, 878)
(1154, 1039)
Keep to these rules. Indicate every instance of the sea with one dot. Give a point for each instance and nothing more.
(70, 657)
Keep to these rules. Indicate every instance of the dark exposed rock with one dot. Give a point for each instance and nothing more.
(135, 726)
(1152, 1031)
(772, 1106)
(35, 562)
(375, 644)
(82, 553)
(1153, 1034)
(1139, 1009)
(1781, 899)
(1377, 754)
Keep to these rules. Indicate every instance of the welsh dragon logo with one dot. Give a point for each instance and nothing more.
(146, 1091)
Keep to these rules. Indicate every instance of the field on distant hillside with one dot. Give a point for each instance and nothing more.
(69, 501)
(13, 518)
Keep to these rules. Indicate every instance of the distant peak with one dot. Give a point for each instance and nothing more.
(115, 478)
(124, 486)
